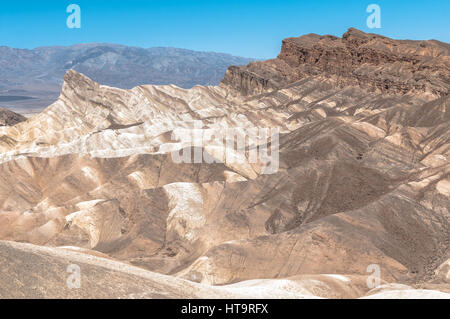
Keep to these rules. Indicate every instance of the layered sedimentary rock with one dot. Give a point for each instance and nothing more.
(362, 176)
(370, 61)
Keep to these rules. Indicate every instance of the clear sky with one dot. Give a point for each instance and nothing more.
(245, 28)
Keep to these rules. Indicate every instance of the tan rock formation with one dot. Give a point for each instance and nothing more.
(363, 176)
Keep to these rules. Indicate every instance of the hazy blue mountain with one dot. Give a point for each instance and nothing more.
(38, 73)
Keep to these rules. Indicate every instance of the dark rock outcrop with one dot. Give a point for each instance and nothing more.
(371, 61)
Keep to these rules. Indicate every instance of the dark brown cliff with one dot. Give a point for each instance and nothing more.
(370, 61)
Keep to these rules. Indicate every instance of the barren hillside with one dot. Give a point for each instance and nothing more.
(362, 178)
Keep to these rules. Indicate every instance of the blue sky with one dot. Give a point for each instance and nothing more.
(245, 28)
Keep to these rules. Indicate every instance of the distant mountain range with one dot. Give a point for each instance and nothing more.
(39, 73)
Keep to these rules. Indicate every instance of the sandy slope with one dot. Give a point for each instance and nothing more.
(30, 271)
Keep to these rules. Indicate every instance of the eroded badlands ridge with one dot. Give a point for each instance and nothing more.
(363, 174)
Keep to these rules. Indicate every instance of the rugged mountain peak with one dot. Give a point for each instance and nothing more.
(75, 81)
(373, 62)
(78, 89)
(360, 36)
(41, 71)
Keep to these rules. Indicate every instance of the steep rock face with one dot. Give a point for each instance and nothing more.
(368, 60)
